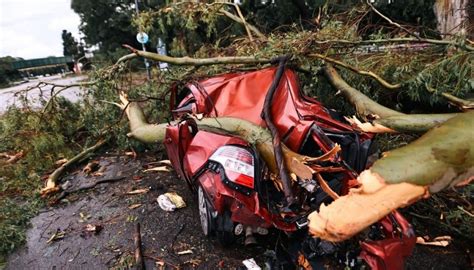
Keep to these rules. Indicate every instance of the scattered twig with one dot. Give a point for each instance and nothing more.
(51, 182)
(465, 211)
(65, 193)
(392, 22)
(358, 71)
(137, 239)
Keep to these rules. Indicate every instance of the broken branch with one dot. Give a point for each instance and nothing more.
(382, 119)
(371, 74)
(192, 61)
(137, 239)
(441, 158)
(52, 179)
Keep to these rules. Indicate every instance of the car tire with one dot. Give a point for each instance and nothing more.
(205, 215)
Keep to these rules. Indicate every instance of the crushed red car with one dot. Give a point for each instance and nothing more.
(236, 195)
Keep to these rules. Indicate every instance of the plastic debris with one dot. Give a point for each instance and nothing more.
(251, 264)
(170, 201)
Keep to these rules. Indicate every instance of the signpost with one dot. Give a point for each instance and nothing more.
(143, 38)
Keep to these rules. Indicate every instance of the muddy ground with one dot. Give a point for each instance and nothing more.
(164, 234)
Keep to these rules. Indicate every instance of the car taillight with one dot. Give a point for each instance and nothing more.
(238, 164)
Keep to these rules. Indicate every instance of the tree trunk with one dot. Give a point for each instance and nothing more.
(441, 158)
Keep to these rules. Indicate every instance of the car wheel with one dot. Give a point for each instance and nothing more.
(204, 213)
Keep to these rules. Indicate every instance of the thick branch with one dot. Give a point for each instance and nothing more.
(193, 61)
(141, 130)
(383, 82)
(382, 119)
(440, 42)
(441, 158)
(245, 23)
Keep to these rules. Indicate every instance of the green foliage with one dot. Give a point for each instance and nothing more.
(14, 218)
(7, 73)
(60, 131)
(69, 44)
(106, 23)
(448, 211)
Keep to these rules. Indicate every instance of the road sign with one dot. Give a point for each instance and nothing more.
(142, 37)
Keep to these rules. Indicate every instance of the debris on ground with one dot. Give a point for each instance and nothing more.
(158, 169)
(138, 191)
(440, 241)
(170, 201)
(137, 239)
(136, 205)
(61, 161)
(58, 235)
(93, 228)
(91, 167)
(251, 264)
(185, 252)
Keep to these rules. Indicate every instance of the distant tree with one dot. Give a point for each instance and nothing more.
(7, 73)
(106, 23)
(69, 44)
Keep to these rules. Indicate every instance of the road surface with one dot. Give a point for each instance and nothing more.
(9, 96)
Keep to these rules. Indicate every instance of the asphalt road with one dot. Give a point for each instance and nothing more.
(10, 96)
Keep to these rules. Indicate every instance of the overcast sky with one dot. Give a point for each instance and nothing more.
(32, 28)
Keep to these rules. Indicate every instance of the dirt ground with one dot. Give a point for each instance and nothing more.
(164, 234)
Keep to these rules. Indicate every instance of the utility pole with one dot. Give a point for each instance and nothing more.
(147, 65)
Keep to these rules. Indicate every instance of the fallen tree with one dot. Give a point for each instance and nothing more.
(441, 158)
(378, 183)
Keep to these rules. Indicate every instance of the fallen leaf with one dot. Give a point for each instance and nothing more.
(93, 228)
(91, 167)
(58, 235)
(165, 161)
(133, 206)
(61, 161)
(158, 169)
(138, 191)
(440, 241)
(185, 252)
